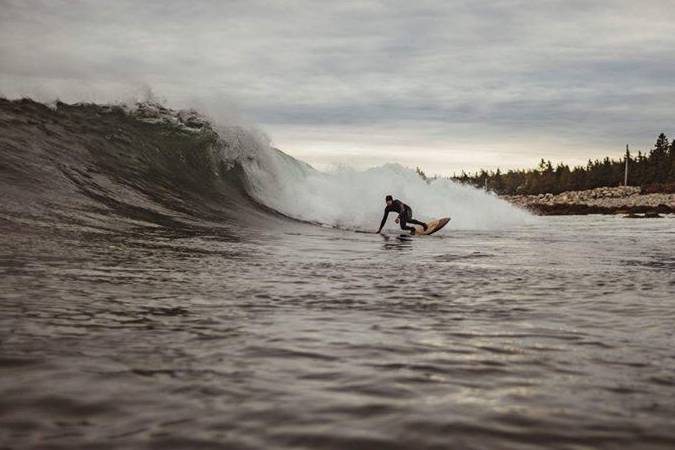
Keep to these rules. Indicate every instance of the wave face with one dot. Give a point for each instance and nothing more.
(110, 166)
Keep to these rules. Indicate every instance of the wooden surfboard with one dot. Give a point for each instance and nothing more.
(432, 226)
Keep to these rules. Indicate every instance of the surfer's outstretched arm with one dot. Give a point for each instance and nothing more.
(384, 219)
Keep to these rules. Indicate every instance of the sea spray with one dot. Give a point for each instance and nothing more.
(354, 199)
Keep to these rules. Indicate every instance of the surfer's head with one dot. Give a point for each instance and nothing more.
(389, 199)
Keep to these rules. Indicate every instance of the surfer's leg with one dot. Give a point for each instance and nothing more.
(409, 218)
(404, 225)
(417, 222)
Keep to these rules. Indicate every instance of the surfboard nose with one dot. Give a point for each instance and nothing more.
(432, 226)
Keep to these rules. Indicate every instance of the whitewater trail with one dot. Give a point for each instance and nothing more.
(354, 199)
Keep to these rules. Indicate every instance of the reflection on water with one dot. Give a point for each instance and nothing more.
(397, 241)
(554, 335)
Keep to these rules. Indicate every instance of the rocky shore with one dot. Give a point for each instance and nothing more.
(627, 200)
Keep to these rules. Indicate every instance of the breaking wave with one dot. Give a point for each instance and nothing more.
(114, 166)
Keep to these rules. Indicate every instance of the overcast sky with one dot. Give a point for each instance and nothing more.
(445, 85)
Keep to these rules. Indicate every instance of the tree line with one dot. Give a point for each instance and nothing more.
(654, 172)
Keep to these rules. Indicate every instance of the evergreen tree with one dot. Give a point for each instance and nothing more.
(659, 159)
(498, 183)
(626, 162)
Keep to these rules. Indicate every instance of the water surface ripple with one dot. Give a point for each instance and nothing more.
(557, 334)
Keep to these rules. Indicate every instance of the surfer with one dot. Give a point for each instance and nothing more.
(404, 215)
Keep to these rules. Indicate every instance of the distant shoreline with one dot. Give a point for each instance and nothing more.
(624, 200)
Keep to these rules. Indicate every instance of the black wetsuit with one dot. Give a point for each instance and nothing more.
(404, 215)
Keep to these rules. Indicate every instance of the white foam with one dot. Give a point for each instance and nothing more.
(354, 199)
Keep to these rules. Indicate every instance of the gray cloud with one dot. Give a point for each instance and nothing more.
(565, 80)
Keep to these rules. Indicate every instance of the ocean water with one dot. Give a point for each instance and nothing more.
(152, 297)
